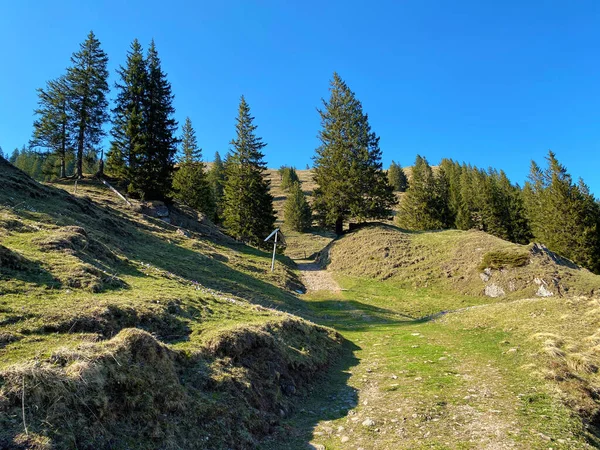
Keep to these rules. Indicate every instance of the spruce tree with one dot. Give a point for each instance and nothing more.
(190, 182)
(248, 205)
(129, 125)
(563, 215)
(420, 208)
(51, 128)
(14, 156)
(152, 176)
(397, 178)
(216, 178)
(87, 87)
(347, 168)
(297, 211)
(288, 177)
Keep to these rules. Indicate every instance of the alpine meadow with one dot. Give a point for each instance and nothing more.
(168, 281)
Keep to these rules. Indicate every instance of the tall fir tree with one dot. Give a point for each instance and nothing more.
(152, 179)
(347, 167)
(397, 178)
(51, 128)
(144, 142)
(420, 206)
(296, 211)
(216, 178)
(563, 215)
(190, 183)
(13, 156)
(129, 126)
(248, 205)
(289, 177)
(87, 86)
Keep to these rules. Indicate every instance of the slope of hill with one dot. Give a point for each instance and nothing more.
(120, 330)
(442, 364)
(466, 262)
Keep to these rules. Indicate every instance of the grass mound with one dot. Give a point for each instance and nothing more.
(120, 330)
(502, 259)
(216, 398)
(558, 340)
(466, 262)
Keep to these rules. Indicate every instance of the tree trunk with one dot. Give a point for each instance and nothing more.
(339, 226)
(101, 165)
(79, 172)
(63, 149)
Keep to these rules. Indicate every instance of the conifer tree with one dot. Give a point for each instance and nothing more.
(87, 87)
(216, 178)
(347, 168)
(129, 124)
(297, 211)
(420, 207)
(190, 182)
(51, 128)
(397, 178)
(289, 177)
(13, 156)
(153, 177)
(248, 205)
(563, 215)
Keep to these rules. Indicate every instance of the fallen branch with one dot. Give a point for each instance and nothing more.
(115, 191)
(23, 407)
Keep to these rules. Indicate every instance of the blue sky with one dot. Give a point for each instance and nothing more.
(489, 83)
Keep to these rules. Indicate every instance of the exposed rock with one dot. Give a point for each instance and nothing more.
(493, 290)
(368, 422)
(486, 275)
(183, 232)
(544, 292)
(155, 209)
(345, 439)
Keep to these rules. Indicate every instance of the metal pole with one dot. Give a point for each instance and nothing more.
(274, 248)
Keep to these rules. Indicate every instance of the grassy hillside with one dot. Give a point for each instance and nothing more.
(119, 330)
(470, 263)
(439, 364)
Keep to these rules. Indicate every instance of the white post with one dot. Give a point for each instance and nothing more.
(274, 249)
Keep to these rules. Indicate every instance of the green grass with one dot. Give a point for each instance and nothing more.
(93, 294)
(504, 259)
(426, 383)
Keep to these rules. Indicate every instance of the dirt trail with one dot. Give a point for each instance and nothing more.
(315, 278)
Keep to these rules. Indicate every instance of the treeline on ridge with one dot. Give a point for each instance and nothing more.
(152, 162)
(550, 208)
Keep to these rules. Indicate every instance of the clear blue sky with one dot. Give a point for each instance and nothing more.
(490, 83)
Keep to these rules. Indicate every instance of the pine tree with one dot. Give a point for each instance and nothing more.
(129, 126)
(297, 211)
(420, 206)
(288, 177)
(87, 87)
(397, 178)
(190, 182)
(51, 129)
(216, 178)
(13, 156)
(347, 168)
(564, 216)
(152, 177)
(248, 205)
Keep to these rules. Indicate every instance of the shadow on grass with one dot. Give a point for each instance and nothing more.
(329, 398)
(352, 315)
(30, 272)
(332, 397)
